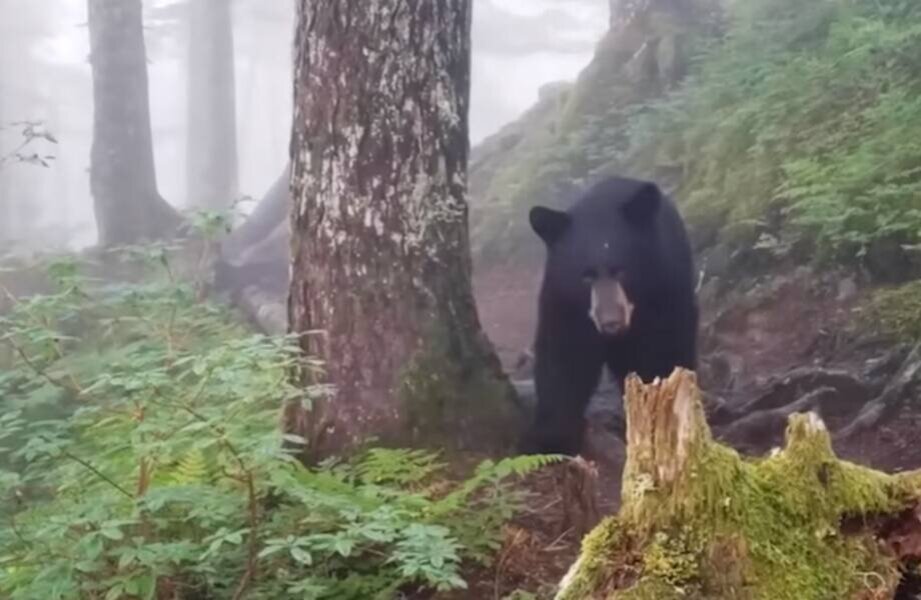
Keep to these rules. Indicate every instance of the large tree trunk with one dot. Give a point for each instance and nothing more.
(380, 250)
(212, 145)
(698, 522)
(123, 183)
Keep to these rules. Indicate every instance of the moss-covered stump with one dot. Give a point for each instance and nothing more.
(698, 521)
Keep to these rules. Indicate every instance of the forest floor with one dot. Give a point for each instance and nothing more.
(750, 341)
(757, 334)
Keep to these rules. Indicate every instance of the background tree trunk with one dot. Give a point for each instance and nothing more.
(271, 211)
(212, 145)
(6, 198)
(128, 207)
(380, 249)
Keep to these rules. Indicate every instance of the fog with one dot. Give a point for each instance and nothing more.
(518, 46)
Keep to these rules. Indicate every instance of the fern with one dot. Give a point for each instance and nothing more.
(489, 472)
(397, 466)
(197, 404)
(191, 469)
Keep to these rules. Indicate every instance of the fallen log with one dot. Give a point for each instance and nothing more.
(698, 521)
(264, 310)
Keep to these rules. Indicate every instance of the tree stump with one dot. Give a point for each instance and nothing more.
(578, 481)
(697, 521)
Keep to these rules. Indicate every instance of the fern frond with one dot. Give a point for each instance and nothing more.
(397, 466)
(489, 472)
(192, 469)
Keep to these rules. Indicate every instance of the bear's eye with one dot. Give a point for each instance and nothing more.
(589, 275)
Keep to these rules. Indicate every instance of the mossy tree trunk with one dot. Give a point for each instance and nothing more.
(698, 521)
(380, 249)
(127, 205)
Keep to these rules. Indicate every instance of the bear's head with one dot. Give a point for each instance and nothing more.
(603, 254)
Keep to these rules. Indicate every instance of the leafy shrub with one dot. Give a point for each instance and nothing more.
(141, 458)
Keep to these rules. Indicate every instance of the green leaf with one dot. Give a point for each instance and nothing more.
(113, 533)
(115, 592)
(301, 556)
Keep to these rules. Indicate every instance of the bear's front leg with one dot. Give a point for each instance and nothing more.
(566, 376)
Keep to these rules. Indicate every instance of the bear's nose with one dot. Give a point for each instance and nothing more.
(611, 326)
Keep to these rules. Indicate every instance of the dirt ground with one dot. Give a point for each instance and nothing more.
(782, 324)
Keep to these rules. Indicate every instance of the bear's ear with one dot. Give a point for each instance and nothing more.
(644, 204)
(549, 224)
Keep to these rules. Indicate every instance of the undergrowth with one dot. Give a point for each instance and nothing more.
(141, 458)
(803, 122)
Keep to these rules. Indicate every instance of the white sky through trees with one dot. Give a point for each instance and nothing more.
(518, 46)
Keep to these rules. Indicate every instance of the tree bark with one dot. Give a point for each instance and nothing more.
(380, 249)
(128, 207)
(212, 145)
(698, 522)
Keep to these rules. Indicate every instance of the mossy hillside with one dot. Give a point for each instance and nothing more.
(802, 122)
(562, 146)
(731, 528)
(895, 311)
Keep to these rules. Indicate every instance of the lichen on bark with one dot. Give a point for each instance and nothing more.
(698, 521)
(380, 245)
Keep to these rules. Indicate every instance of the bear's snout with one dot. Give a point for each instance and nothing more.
(611, 310)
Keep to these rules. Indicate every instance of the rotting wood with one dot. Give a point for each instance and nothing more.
(698, 521)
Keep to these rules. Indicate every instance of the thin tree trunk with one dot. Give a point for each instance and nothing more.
(380, 249)
(212, 146)
(123, 183)
(6, 198)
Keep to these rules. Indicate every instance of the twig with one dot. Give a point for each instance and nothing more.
(253, 547)
(41, 372)
(97, 472)
(552, 544)
(497, 581)
(244, 583)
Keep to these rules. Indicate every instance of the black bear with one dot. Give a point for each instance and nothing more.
(618, 292)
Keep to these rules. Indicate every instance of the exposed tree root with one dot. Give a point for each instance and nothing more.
(906, 383)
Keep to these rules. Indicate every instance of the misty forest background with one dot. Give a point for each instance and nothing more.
(266, 330)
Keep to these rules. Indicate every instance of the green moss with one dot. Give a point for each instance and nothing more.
(672, 558)
(655, 589)
(767, 529)
(606, 554)
(452, 394)
(896, 311)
